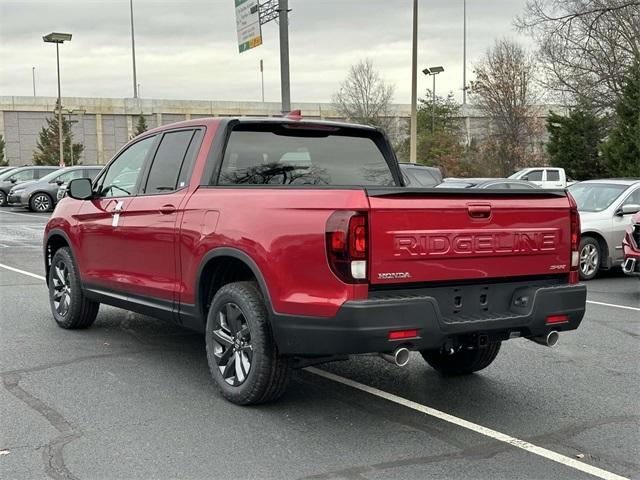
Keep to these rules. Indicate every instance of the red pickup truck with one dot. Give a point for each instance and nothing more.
(292, 242)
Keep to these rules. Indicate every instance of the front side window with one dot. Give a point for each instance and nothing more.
(23, 175)
(302, 155)
(534, 176)
(595, 197)
(165, 170)
(67, 176)
(121, 179)
(633, 199)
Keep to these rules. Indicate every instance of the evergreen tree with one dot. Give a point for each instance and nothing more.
(3, 161)
(47, 146)
(621, 150)
(141, 126)
(573, 143)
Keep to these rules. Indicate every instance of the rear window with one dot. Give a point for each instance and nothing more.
(282, 155)
(553, 176)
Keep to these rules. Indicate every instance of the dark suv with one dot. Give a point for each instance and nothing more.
(20, 175)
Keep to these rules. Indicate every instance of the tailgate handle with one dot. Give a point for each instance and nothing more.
(479, 211)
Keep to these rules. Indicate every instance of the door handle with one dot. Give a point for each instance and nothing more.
(167, 209)
(479, 211)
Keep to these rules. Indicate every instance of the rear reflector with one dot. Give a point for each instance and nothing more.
(399, 334)
(553, 319)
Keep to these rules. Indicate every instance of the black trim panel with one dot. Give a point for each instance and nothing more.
(153, 307)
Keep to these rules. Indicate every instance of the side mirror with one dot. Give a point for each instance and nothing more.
(526, 178)
(628, 209)
(13, 180)
(59, 182)
(80, 189)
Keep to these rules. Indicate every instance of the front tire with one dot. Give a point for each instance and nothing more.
(70, 308)
(40, 202)
(463, 361)
(241, 352)
(590, 258)
(3, 199)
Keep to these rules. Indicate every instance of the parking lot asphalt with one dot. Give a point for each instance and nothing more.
(132, 398)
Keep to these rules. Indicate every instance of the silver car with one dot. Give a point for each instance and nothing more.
(606, 208)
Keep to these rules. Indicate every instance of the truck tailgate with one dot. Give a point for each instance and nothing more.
(428, 236)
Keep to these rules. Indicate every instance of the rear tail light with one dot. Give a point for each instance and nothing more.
(347, 245)
(575, 240)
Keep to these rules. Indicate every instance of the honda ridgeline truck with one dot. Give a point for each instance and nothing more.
(293, 242)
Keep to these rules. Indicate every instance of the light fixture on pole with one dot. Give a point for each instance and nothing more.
(433, 71)
(413, 134)
(59, 38)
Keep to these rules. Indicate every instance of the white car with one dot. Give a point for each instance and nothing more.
(544, 177)
(606, 208)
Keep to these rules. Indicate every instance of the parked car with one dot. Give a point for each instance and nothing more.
(499, 183)
(416, 175)
(42, 195)
(284, 264)
(6, 169)
(91, 172)
(606, 207)
(20, 175)
(631, 246)
(544, 177)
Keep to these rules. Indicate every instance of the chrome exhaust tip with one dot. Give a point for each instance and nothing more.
(548, 340)
(629, 266)
(400, 357)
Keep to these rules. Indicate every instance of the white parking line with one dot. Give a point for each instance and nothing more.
(529, 447)
(39, 217)
(613, 305)
(17, 270)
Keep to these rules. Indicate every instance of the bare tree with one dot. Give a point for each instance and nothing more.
(364, 97)
(504, 90)
(585, 46)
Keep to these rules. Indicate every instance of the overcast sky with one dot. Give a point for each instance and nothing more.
(187, 49)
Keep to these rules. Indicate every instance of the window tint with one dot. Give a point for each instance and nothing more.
(68, 176)
(424, 177)
(122, 177)
(633, 199)
(534, 176)
(23, 175)
(553, 176)
(163, 176)
(282, 155)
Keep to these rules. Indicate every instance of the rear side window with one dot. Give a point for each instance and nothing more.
(165, 170)
(23, 175)
(424, 177)
(553, 176)
(41, 172)
(295, 155)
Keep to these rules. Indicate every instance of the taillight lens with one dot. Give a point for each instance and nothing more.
(347, 245)
(575, 240)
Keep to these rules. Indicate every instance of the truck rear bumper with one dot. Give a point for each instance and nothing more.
(363, 326)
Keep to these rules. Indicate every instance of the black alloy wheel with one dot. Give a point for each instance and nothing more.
(232, 351)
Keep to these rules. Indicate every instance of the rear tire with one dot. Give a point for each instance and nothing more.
(462, 362)
(69, 306)
(241, 352)
(3, 199)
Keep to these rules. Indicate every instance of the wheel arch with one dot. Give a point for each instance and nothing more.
(604, 247)
(56, 239)
(221, 266)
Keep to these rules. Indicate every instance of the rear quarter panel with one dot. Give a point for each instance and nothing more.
(282, 231)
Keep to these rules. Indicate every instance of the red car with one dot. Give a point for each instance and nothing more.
(631, 245)
(291, 242)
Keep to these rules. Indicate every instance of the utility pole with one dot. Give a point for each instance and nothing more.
(60, 136)
(133, 53)
(464, 54)
(414, 88)
(262, 78)
(283, 15)
(33, 76)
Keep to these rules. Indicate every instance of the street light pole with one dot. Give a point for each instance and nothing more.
(433, 71)
(464, 53)
(133, 53)
(413, 140)
(33, 77)
(58, 38)
(262, 78)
